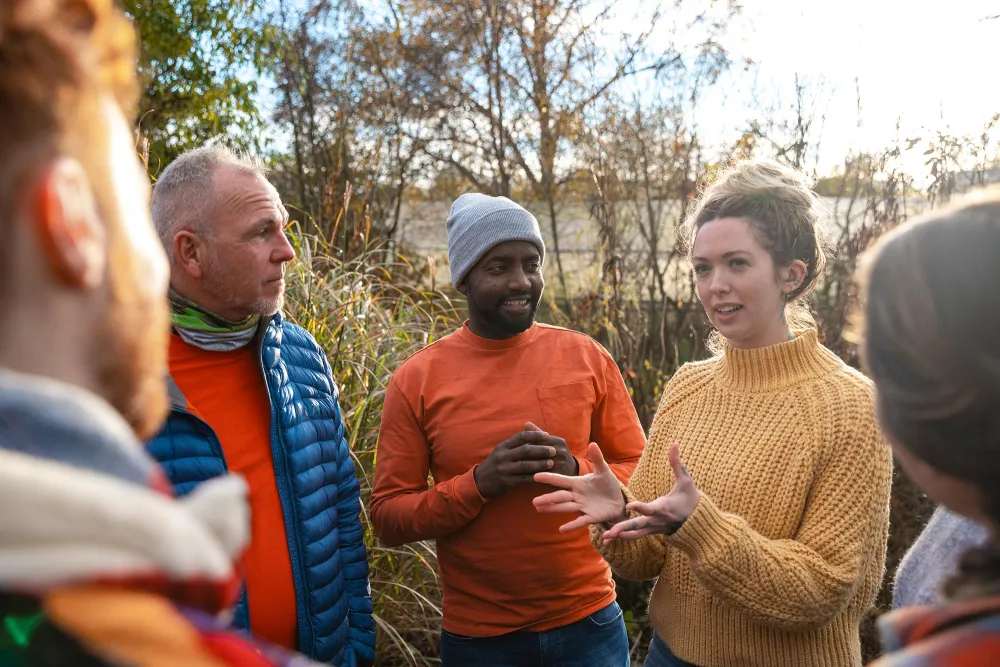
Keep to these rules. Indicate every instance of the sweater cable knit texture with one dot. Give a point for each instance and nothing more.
(785, 552)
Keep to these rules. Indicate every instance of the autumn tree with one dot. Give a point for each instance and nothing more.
(199, 65)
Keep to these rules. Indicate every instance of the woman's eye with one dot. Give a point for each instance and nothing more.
(701, 269)
(738, 262)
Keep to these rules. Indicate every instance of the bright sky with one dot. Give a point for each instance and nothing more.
(931, 64)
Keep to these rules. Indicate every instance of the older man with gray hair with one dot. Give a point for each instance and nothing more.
(253, 394)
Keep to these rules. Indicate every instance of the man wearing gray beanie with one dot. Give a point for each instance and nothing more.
(517, 590)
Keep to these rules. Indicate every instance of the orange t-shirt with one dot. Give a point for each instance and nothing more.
(504, 566)
(227, 390)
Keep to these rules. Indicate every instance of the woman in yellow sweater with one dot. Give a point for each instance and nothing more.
(769, 545)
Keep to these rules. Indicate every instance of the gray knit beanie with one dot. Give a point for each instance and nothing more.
(479, 222)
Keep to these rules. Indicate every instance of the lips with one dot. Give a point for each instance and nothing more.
(519, 305)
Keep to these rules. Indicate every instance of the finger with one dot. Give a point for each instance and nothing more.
(531, 452)
(575, 524)
(554, 497)
(555, 479)
(555, 441)
(646, 509)
(518, 439)
(523, 437)
(518, 480)
(680, 472)
(597, 458)
(628, 525)
(528, 426)
(629, 535)
(559, 508)
(528, 467)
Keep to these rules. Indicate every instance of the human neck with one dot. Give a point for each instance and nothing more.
(774, 335)
(192, 291)
(51, 349)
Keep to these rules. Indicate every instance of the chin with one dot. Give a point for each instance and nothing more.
(517, 326)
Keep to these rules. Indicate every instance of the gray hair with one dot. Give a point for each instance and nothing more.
(184, 197)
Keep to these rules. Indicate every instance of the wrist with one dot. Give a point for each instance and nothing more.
(480, 488)
(622, 514)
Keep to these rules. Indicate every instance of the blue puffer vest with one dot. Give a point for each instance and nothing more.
(316, 483)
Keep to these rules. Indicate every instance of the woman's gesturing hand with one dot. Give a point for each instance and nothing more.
(665, 514)
(596, 497)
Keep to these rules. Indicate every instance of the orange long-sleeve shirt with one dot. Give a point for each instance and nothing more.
(504, 566)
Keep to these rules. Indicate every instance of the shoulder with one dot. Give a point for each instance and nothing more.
(690, 379)
(298, 347)
(416, 364)
(573, 340)
(295, 335)
(849, 397)
(848, 383)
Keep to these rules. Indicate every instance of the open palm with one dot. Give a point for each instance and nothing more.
(596, 497)
(664, 515)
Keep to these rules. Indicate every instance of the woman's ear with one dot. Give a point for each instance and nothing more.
(792, 276)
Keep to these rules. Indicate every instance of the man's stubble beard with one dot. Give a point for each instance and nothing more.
(214, 283)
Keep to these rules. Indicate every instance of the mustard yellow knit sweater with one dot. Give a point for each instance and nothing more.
(785, 552)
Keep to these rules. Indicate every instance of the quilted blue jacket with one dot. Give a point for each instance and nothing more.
(317, 486)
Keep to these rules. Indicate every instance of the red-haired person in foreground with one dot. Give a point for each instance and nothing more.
(99, 564)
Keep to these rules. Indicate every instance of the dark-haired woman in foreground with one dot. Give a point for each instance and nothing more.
(931, 339)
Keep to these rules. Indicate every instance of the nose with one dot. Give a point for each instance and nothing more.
(284, 252)
(720, 283)
(519, 281)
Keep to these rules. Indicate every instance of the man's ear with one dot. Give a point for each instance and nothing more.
(66, 220)
(463, 287)
(189, 253)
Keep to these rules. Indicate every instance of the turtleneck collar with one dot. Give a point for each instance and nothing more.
(465, 333)
(777, 366)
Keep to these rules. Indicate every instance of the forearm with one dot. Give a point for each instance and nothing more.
(400, 517)
(637, 560)
(782, 583)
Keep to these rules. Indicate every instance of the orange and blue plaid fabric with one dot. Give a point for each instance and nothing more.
(965, 634)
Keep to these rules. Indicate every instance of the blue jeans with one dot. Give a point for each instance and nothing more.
(659, 655)
(596, 641)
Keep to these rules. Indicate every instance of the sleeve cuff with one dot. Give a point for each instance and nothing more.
(467, 491)
(585, 466)
(704, 530)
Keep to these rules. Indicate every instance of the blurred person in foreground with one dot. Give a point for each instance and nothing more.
(768, 542)
(253, 394)
(481, 410)
(99, 564)
(931, 342)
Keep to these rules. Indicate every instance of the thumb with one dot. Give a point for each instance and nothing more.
(528, 426)
(680, 472)
(597, 458)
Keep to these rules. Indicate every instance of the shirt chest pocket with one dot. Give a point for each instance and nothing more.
(568, 410)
